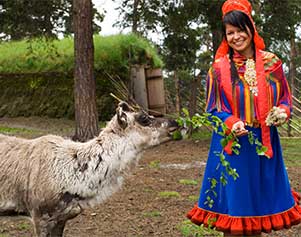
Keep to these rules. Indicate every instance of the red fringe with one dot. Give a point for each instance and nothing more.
(248, 225)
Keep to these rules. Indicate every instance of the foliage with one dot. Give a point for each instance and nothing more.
(201, 134)
(280, 22)
(191, 31)
(188, 229)
(181, 41)
(178, 22)
(30, 95)
(112, 54)
(37, 76)
(142, 13)
(176, 135)
(280, 19)
(29, 19)
(124, 50)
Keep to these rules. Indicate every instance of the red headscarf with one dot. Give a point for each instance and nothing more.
(245, 7)
(264, 108)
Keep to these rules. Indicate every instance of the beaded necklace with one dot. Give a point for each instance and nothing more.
(250, 76)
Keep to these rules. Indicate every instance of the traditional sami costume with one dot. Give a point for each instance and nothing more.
(261, 199)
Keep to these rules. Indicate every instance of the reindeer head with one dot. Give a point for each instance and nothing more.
(141, 128)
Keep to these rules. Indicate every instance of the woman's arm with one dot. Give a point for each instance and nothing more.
(216, 101)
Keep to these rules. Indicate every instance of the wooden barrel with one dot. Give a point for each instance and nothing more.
(155, 91)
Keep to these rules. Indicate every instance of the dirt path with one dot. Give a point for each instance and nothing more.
(152, 202)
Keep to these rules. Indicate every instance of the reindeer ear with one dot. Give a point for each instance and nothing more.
(124, 106)
(121, 115)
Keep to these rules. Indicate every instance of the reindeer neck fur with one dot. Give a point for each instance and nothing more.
(101, 162)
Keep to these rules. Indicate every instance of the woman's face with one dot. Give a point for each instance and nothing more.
(239, 40)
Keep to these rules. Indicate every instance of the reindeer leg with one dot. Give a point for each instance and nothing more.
(41, 227)
(63, 217)
(43, 224)
(58, 229)
(52, 223)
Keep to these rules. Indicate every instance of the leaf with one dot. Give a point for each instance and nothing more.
(236, 151)
(251, 137)
(176, 135)
(213, 183)
(186, 112)
(224, 142)
(236, 144)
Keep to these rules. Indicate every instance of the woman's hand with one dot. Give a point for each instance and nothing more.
(239, 129)
(276, 117)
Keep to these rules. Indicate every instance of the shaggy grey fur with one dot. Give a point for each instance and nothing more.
(51, 179)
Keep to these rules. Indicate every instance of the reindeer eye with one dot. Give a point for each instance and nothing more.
(144, 119)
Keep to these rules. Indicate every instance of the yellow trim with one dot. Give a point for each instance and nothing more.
(247, 105)
(210, 87)
(278, 92)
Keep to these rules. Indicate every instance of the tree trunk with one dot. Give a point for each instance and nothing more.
(193, 98)
(215, 23)
(217, 37)
(193, 95)
(86, 117)
(135, 17)
(177, 86)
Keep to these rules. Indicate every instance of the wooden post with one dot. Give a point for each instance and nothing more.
(138, 85)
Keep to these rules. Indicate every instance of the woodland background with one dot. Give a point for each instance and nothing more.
(189, 32)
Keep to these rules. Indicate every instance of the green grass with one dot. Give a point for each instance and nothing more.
(169, 194)
(18, 131)
(291, 151)
(24, 226)
(154, 213)
(193, 198)
(154, 164)
(201, 134)
(188, 229)
(188, 182)
(112, 53)
(4, 235)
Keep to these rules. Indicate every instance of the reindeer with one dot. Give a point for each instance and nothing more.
(51, 179)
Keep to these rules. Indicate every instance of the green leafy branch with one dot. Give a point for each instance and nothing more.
(206, 119)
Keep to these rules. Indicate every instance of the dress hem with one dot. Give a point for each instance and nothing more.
(251, 225)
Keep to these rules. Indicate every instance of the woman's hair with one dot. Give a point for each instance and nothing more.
(238, 19)
(242, 21)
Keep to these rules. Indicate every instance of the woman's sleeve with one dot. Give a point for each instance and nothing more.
(216, 101)
(285, 96)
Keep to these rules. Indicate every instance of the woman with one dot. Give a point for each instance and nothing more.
(244, 85)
